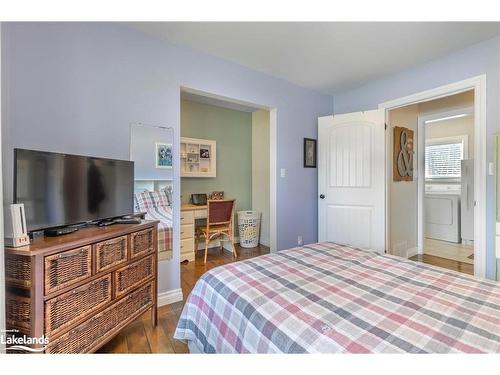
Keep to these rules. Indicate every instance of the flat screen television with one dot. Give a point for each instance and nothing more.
(61, 189)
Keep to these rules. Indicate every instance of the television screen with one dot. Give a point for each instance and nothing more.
(61, 189)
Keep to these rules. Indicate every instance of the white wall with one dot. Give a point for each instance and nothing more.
(260, 170)
(453, 127)
(403, 194)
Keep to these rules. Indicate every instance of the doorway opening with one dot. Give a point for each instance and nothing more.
(473, 96)
(432, 211)
(227, 151)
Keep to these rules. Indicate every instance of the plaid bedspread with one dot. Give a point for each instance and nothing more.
(164, 215)
(327, 298)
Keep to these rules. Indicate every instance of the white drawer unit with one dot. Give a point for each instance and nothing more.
(200, 214)
(187, 246)
(187, 231)
(187, 236)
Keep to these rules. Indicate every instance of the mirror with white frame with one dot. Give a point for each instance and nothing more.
(151, 150)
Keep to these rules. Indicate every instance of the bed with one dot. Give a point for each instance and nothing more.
(157, 205)
(328, 298)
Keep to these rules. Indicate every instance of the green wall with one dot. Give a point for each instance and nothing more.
(233, 132)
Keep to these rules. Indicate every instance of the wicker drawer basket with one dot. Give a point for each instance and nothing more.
(66, 268)
(91, 334)
(142, 242)
(63, 310)
(132, 275)
(18, 270)
(111, 253)
(18, 314)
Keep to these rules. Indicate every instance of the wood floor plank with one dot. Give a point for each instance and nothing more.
(449, 250)
(445, 263)
(137, 340)
(157, 339)
(141, 337)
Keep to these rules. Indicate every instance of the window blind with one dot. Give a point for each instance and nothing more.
(443, 160)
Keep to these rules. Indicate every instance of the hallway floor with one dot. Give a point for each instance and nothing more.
(449, 250)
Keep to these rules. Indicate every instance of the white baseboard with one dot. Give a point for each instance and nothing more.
(411, 252)
(170, 296)
(265, 241)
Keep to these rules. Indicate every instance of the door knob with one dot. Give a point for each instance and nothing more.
(322, 196)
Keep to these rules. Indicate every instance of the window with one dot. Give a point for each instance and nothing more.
(443, 156)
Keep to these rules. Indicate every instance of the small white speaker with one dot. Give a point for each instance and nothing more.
(19, 232)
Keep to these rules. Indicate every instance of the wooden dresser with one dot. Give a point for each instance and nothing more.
(81, 289)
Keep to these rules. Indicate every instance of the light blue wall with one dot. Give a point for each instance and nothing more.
(483, 58)
(77, 87)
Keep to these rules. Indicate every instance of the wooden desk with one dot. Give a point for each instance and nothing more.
(189, 213)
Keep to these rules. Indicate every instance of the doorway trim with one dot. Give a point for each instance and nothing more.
(478, 84)
(421, 165)
(273, 154)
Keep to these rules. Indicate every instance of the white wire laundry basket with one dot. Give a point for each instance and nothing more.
(249, 228)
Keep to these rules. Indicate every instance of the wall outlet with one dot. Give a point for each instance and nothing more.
(299, 241)
(283, 172)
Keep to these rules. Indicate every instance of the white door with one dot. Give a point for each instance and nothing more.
(351, 179)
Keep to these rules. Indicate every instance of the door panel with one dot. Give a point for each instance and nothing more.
(341, 230)
(350, 150)
(351, 177)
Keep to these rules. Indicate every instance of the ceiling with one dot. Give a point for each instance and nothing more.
(324, 56)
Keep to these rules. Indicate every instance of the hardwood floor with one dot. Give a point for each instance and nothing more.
(449, 250)
(141, 337)
(445, 263)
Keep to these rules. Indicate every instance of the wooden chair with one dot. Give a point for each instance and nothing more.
(219, 223)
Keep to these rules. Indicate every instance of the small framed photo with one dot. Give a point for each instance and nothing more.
(216, 195)
(309, 153)
(204, 153)
(163, 155)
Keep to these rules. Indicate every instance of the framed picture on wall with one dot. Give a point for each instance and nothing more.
(204, 153)
(163, 155)
(309, 153)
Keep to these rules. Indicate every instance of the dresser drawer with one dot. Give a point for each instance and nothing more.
(187, 245)
(91, 334)
(18, 270)
(187, 231)
(62, 310)
(142, 242)
(66, 268)
(200, 214)
(132, 275)
(110, 253)
(18, 311)
(187, 217)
